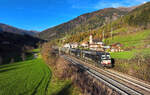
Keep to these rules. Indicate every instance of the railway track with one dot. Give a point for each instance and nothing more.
(122, 84)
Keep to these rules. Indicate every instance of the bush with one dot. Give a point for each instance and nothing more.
(47, 54)
(137, 66)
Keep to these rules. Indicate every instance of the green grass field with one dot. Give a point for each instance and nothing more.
(29, 77)
(32, 77)
(136, 43)
(133, 39)
(123, 55)
(130, 54)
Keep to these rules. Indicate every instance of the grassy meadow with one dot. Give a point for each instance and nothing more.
(133, 44)
(30, 77)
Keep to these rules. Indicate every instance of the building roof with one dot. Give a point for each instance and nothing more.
(85, 42)
(97, 40)
(117, 45)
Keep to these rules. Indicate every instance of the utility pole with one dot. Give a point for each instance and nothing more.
(111, 32)
(111, 29)
(103, 33)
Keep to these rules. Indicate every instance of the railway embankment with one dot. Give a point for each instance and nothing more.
(127, 84)
(86, 84)
(137, 67)
(75, 80)
(59, 85)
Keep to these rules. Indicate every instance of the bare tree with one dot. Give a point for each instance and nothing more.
(23, 56)
(12, 60)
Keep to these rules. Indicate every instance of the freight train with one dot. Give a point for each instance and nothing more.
(101, 58)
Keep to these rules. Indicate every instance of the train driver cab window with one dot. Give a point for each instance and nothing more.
(108, 56)
(103, 57)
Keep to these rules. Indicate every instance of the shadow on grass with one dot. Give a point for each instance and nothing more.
(1, 71)
(66, 90)
(113, 62)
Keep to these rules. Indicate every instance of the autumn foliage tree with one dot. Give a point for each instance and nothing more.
(47, 53)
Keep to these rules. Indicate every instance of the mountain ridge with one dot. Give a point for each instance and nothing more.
(82, 23)
(135, 21)
(129, 9)
(14, 42)
(11, 29)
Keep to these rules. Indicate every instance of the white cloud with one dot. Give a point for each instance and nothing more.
(101, 5)
(105, 4)
(122, 3)
(141, 1)
(115, 5)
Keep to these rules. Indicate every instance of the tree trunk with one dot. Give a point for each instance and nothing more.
(23, 56)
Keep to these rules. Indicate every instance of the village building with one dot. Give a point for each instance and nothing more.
(116, 47)
(71, 45)
(67, 45)
(85, 45)
(95, 44)
(74, 45)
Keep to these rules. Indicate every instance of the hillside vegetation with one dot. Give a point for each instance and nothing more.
(131, 30)
(83, 23)
(132, 24)
(60, 84)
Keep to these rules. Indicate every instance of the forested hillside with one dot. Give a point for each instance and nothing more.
(132, 31)
(83, 23)
(132, 23)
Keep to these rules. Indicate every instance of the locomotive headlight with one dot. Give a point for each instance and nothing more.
(106, 62)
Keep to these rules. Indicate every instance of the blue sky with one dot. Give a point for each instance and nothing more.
(42, 14)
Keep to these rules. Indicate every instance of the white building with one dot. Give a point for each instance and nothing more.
(85, 44)
(67, 45)
(74, 45)
(71, 45)
(91, 40)
(95, 44)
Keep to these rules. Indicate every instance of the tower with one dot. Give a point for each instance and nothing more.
(91, 40)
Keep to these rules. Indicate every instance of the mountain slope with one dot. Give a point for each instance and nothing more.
(11, 29)
(82, 23)
(140, 16)
(79, 28)
(135, 21)
(129, 9)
